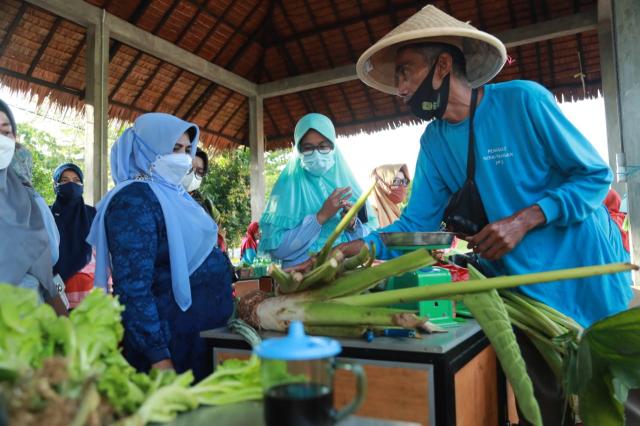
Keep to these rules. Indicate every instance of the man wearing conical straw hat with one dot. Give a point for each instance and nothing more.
(528, 194)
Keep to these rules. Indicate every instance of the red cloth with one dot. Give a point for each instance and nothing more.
(613, 201)
(249, 240)
(77, 287)
(458, 273)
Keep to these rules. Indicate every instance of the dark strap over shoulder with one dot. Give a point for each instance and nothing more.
(471, 158)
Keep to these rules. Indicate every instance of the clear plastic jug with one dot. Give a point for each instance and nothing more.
(297, 379)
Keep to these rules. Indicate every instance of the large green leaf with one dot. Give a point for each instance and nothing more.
(489, 310)
(598, 407)
(608, 366)
(616, 338)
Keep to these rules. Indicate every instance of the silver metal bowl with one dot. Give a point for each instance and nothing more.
(418, 239)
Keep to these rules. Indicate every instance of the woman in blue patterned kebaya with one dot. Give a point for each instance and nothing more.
(161, 248)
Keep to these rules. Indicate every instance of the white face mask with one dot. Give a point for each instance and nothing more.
(172, 167)
(7, 148)
(191, 181)
(318, 164)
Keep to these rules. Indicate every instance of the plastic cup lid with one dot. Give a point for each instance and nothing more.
(297, 346)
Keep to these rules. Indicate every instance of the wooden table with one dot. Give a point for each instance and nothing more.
(443, 379)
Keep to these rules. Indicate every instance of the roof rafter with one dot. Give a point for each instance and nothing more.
(202, 43)
(203, 8)
(133, 18)
(256, 35)
(544, 30)
(293, 68)
(330, 60)
(156, 28)
(44, 45)
(86, 14)
(219, 108)
(12, 28)
(211, 86)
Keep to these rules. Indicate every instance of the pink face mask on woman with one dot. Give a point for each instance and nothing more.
(397, 194)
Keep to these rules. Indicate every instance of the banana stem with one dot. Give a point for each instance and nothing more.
(323, 273)
(364, 278)
(438, 291)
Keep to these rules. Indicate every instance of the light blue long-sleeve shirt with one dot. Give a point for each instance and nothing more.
(527, 152)
(296, 242)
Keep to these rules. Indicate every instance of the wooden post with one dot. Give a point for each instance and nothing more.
(610, 86)
(96, 155)
(626, 33)
(256, 143)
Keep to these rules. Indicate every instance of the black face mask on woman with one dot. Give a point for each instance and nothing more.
(69, 190)
(427, 102)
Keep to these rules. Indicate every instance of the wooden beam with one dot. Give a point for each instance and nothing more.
(41, 82)
(610, 90)
(160, 48)
(626, 32)
(95, 110)
(308, 81)
(256, 165)
(545, 30)
(85, 14)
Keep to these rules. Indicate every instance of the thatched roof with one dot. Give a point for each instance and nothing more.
(267, 40)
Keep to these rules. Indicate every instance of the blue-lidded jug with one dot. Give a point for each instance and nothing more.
(297, 378)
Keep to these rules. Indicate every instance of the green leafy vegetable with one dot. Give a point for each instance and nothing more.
(70, 371)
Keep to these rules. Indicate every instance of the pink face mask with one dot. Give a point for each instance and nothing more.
(397, 194)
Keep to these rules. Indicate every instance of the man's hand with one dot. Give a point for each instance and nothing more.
(164, 364)
(351, 248)
(499, 238)
(333, 204)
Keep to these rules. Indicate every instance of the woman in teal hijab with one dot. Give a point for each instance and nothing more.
(315, 188)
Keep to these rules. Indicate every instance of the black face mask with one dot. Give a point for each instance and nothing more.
(69, 191)
(427, 103)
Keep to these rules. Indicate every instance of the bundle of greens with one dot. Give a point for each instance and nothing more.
(329, 300)
(69, 371)
(596, 367)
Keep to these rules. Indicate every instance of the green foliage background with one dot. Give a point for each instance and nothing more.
(47, 155)
(227, 183)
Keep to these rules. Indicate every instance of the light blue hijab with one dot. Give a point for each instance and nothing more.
(190, 230)
(297, 193)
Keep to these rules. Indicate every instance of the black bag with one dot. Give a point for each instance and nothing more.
(465, 213)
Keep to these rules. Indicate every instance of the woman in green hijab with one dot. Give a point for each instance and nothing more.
(315, 188)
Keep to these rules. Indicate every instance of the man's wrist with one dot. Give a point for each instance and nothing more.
(532, 217)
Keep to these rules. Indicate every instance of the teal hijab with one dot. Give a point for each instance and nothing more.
(297, 193)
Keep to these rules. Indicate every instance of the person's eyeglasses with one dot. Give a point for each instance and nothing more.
(199, 172)
(323, 148)
(400, 182)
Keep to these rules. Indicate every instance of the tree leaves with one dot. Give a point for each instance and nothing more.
(227, 184)
(608, 365)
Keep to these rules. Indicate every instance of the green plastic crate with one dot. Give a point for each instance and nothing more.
(440, 312)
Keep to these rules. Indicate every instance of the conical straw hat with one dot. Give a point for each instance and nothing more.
(485, 55)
